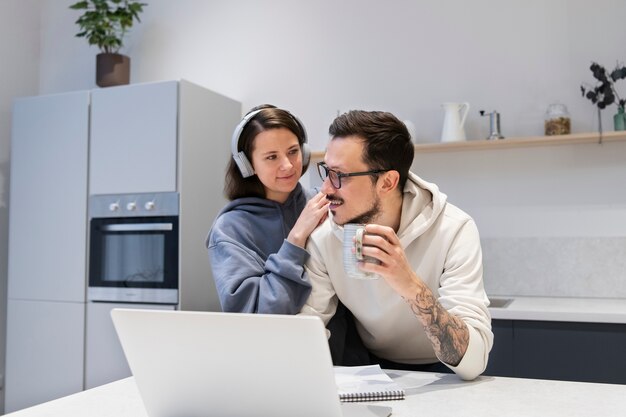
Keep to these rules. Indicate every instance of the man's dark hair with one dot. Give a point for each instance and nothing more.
(386, 140)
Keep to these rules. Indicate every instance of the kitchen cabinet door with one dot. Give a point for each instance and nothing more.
(586, 352)
(569, 351)
(501, 355)
(45, 343)
(47, 233)
(104, 358)
(133, 139)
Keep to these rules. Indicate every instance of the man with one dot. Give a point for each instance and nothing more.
(429, 305)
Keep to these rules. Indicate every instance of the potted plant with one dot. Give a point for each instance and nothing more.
(104, 23)
(604, 93)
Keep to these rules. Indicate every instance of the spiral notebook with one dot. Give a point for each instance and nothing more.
(366, 383)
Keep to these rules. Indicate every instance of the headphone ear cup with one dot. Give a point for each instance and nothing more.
(306, 154)
(245, 167)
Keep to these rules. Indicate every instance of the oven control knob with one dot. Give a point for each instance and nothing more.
(149, 205)
(114, 206)
(131, 206)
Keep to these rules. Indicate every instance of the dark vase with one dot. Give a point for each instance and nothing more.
(112, 69)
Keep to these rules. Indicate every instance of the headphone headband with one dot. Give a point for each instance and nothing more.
(244, 165)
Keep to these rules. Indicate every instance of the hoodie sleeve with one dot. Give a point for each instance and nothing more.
(323, 301)
(247, 284)
(462, 293)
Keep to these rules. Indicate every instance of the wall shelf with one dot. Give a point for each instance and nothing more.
(508, 143)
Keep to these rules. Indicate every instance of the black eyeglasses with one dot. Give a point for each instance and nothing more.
(335, 177)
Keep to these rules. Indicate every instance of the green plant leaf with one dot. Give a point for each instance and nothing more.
(79, 6)
(105, 22)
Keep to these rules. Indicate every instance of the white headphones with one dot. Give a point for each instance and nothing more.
(244, 165)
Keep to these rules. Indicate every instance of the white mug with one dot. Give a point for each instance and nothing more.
(353, 239)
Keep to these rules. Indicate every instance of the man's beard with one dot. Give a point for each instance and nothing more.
(367, 216)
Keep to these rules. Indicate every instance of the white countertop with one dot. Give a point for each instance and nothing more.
(589, 310)
(427, 394)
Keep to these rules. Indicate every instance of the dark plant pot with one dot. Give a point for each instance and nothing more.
(112, 69)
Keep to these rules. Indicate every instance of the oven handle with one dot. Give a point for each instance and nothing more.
(137, 227)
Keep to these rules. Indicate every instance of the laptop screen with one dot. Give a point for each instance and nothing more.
(195, 364)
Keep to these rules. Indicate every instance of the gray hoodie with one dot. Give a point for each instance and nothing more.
(255, 269)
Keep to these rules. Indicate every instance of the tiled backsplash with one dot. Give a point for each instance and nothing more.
(555, 267)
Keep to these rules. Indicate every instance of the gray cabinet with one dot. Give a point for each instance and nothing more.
(586, 352)
(171, 136)
(134, 131)
(47, 249)
(49, 198)
(104, 357)
(159, 137)
(44, 351)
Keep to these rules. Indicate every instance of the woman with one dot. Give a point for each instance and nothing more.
(256, 244)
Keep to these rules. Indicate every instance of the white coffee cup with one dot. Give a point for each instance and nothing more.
(353, 252)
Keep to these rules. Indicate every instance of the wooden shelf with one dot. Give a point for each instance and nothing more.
(520, 142)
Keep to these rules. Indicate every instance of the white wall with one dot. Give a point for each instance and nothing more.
(552, 219)
(19, 72)
(405, 56)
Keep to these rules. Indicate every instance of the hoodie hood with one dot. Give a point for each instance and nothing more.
(422, 204)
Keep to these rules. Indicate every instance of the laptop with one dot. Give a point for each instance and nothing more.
(199, 364)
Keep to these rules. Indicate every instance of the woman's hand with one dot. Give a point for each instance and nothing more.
(313, 214)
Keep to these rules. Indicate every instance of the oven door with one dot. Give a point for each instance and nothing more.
(134, 259)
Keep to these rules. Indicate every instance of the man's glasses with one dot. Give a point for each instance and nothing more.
(335, 177)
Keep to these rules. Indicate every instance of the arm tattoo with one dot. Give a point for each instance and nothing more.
(448, 334)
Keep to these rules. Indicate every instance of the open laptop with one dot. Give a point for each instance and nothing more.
(199, 364)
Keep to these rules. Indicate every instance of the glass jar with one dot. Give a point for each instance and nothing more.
(557, 121)
(619, 119)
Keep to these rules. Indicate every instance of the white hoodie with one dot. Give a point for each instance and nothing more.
(443, 247)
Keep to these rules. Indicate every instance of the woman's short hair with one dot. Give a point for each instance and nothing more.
(268, 117)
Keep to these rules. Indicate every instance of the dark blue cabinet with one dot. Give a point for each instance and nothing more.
(587, 352)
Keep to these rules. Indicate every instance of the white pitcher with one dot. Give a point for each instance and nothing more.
(454, 119)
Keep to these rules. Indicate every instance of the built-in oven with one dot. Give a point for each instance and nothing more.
(133, 248)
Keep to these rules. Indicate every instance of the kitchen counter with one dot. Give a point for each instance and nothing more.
(584, 310)
(426, 394)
